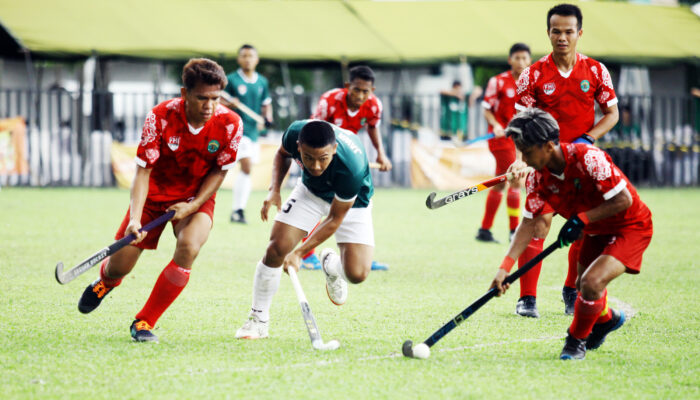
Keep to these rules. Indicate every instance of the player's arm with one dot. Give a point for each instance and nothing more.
(521, 239)
(266, 111)
(498, 130)
(330, 224)
(280, 166)
(139, 191)
(375, 137)
(211, 183)
(610, 117)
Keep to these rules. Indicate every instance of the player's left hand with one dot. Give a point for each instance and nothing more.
(571, 231)
(519, 169)
(384, 162)
(498, 282)
(182, 210)
(292, 260)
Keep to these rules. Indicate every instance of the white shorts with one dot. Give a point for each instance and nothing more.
(248, 149)
(304, 209)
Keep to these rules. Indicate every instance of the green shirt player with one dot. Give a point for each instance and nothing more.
(250, 92)
(335, 184)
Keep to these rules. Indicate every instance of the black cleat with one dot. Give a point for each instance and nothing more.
(574, 349)
(238, 217)
(569, 296)
(527, 307)
(600, 331)
(485, 235)
(92, 296)
(141, 332)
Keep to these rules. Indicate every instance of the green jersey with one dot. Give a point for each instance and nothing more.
(254, 93)
(346, 177)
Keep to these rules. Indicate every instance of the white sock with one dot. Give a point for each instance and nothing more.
(241, 191)
(265, 285)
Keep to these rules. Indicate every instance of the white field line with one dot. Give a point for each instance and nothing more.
(627, 308)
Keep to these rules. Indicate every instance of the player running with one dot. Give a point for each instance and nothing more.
(250, 88)
(335, 184)
(353, 107)
(187, 146)
(579, 182)
(499, 108)
(567, 85)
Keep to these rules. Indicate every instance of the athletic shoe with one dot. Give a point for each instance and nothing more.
(311, 262)
(485, 235)
(377, 266)
(569, 296)
(600, 331)
(238, 217)
(92, 296)
(574, 349)
(527, 307)
(336, 286)
(141, 332)
(253, 329)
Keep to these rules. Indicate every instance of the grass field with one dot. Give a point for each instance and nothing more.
(49, 350)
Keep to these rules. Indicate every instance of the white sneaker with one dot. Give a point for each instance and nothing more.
(253, 329)
(336, 286)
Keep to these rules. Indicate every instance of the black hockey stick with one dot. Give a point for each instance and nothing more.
(407, 348)
(89, 262)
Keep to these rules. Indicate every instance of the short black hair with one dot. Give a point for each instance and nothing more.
(203, 70)
(317, 134)
(519, 47)
(456, 83)
(532, 127)
(362, 72)
(566, 10)
(246, 47)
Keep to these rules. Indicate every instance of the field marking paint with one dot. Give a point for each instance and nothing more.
(627, 308)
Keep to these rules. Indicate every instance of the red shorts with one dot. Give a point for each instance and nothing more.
(153, 210)
(627, 246)
(504, 155)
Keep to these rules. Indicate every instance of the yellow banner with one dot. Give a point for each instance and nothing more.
(13, 147)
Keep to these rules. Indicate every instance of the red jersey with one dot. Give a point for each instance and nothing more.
(500, 99)
(589, 179)
(568, 97)
(333, 107)
(181, 156)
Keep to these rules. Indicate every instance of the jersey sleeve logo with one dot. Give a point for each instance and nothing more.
(524, 80)
(152, 155)
(549, 88)
(597, 166)
(149, 129)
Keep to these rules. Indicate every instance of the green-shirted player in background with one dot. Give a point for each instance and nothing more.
(250, 88)
(336, 184)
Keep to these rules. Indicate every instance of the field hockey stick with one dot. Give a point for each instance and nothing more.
(239, 105)
(479, 139)
(314, 334)
(375, 165)
(89, 262)
(432, 204)
(407, 348)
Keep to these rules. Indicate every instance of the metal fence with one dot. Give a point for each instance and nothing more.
(69, 134)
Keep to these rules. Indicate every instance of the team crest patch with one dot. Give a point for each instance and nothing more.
(174, 142)
(363, 121)
(548, 88)
(510, 93)
(338, 122)
(213, 146)
(585, 86)
(242, 89)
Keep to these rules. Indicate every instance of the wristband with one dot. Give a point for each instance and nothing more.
(507, 263)
(583, 217)
(588, 137)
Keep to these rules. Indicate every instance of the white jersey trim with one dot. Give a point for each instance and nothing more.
(611, 102)
(245, 78)
(353, 113)
(228, 166)
(527, 214)
(614, 191)
(345, 200)
(488, 106)
(193, 130)
(267, 101)
(140, 162)
(520, 107)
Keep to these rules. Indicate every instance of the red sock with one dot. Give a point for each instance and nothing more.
(528, 282)
(585, 315)
(168, 286)
(572, 273)
(513, 203)
(311, 252)
(605, 315)
(492, 202)
(109, 282)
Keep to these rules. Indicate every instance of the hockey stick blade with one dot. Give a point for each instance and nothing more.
(432, 204)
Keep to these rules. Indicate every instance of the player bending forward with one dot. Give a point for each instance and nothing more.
(336, 184)
(579, 182)
(186, 148)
